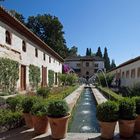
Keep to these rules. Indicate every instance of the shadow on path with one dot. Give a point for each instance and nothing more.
(23, 134)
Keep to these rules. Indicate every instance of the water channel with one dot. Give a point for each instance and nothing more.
(84, 116)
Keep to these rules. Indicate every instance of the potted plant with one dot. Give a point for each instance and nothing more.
(27, 104)
(58, 116)
(127, 115)
(137, 122)
(107, 114)
(43, 91)
(39, 117)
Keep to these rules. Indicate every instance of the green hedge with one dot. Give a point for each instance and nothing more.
(110, 94)
(34, 76)
(62, 94)
(9, 74)
(10, 120)
(51, 77)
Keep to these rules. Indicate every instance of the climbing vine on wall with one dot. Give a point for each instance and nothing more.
(51, 77)
(9, 74)
(34, 76)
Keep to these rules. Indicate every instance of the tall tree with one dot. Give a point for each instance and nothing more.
(90, 52)
(99, 52)
(50, 30)
(87, 52)
(73, 51)
(106, 59)
(113, 65)
(17, 15)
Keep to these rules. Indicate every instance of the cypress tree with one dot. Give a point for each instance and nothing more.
(106, 59)
(113, 65)
(90, 52)
(87, 52)
(99, 52)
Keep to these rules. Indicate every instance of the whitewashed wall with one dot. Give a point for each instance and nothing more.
(27, 57)
(128, 81)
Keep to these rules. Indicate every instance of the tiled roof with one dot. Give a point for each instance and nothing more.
(127, 63)
(84, 58)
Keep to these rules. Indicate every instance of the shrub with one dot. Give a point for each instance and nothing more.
(57, 108)
(62, 78)
(4, 93)
(51, 77)
(43, 91)
(28, 102)
(2, 101)
(135, 90)
(61, 94)
(109, 78)
(110, 94)
(9, 74)
(71, 79)
(67, 79)
(108, 111)
(127, 109)
(137, 101)
(9, 119)
(15, 103)
(125, 91)
(39, 109)
(34, 76)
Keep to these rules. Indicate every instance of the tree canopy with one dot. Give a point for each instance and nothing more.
(19, 16)
(73, 51)
(50, 30)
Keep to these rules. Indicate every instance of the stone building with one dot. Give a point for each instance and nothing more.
(128, 72)
(85, 66)
(18, 43)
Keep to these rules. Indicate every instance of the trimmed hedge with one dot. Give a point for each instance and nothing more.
(137, 101)
(10, 120)
(62, 94)
(127, 109)
(108, 111)
(110, 94)
(57, 108)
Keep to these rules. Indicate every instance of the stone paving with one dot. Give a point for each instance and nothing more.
(28, 134)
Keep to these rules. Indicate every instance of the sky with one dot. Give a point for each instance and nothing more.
(114, 24)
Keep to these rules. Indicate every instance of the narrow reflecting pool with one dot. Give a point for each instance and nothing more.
(84, 119)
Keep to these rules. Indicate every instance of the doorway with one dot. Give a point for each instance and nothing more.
(23, 78)
(44, 76)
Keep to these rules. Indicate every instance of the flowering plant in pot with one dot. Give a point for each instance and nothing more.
(107, 114)
(58, 116)
(127, 115)
(27, 104)
(137, 122)
(39, 117)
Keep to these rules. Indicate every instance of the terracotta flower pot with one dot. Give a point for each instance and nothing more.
(59, 127)
(28, 120)
(40, 124)
(126, 128)
(137, 124)
(107, 129)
